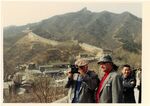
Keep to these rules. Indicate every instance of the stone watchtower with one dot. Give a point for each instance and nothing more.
(27, 31)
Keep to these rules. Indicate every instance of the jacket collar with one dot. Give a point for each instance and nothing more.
(106, 80)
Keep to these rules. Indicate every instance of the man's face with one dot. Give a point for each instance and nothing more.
(105, 67)
(83, 69)
(126, 71)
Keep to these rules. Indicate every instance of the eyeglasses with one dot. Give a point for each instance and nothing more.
(81, 67)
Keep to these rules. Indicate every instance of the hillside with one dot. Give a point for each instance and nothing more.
(52, 39)
(98, 29)
(33, 48)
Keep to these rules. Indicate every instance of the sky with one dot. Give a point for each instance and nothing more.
(24, 12)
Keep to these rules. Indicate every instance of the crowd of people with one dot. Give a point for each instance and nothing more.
(85, 86)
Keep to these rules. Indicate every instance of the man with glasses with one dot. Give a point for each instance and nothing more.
(82, 83)
(110, 86)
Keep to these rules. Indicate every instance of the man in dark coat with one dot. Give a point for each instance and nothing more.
(82, 84)
(129, 83)
(110, 86)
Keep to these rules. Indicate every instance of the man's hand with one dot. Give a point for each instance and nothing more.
(69, 74)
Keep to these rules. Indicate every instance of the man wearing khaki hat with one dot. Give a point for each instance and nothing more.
(110, 86)
(82, 84)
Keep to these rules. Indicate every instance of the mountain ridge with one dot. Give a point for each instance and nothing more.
(106, 30)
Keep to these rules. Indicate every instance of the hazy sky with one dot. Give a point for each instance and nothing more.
(20, 13)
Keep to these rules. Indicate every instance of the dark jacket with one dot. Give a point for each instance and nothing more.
(87, 90)
(128, 89)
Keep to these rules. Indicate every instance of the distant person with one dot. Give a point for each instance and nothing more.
(129, 83)
(138, 82)
(81, 83)
(110, 86)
